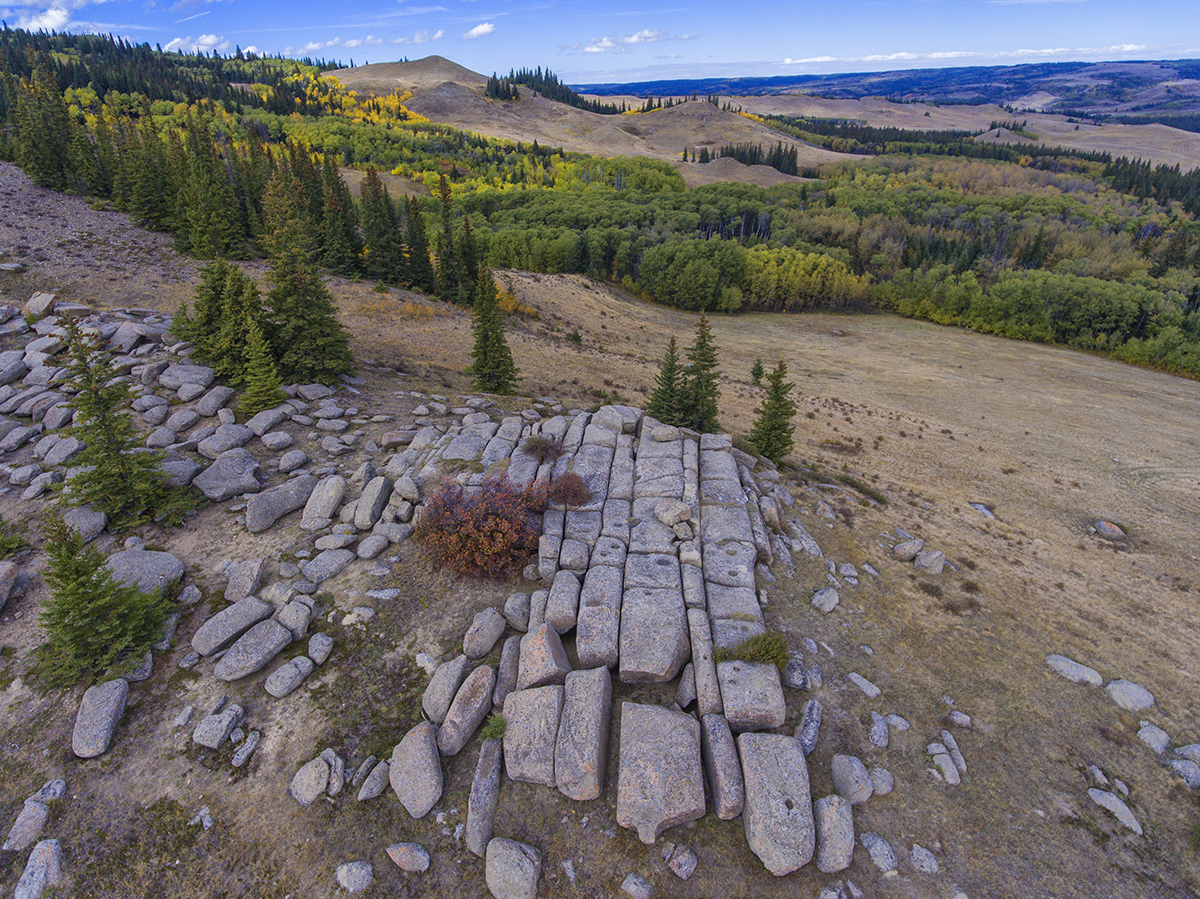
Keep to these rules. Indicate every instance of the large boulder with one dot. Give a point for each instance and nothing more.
(834, 820)
(660, 781)
(323, 503)
(149, 571)
(416, 770)
(542, 659)
(486, 628)
(752, 695)
(266, 508)
(229, 624)
(443, 687)
(778, 816)
(512, 869)
(471, 704)
(531, 720)
(99, 712)
(253, 650)
(225, 438)
(581, 749)
(484, 797)
(176, 376)
(233, 473)
(654, 643)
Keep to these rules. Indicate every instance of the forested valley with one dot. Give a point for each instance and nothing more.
(1096, 253)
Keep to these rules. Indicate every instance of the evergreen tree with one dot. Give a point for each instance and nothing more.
(700, 391)
(420, 266)
(306, 337)
(492, 369)
(229, 353)
(467, 268)
(665, 400)
(772, 431)
(122, 479)
(756, 372)
(447, 283)
(94, 625)
(263, 387)
(202, 327)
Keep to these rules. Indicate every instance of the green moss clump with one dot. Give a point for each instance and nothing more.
(770, 648)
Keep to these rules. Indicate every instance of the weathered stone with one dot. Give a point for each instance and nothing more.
(63, 452)
(443, 687)
(323, 503)
(882, 781)
(573, 555)
(229, 624)
(752, 695)
(416, 771)
(722, 766)
(1109, 531)
(42, 870)
(486, 628)
(246, 749)
(471, 704)
(244, 579)
(1114, 804)
(660, 781)
(863, 684)
(266, 508)
(778, 816)
(516, 611)
(825, 600)
(253, 650)
(834, 819)
(506, 674)
(176, 376)
(581, 750)
(267, 420)
(355, 877)
(287, 677)
(213, 730)
(930, 561)
(149, 571)
(512, 869)
(99, 712)
(562, 606)
(371, 503)
(1187, 770)
(375, 782)
(182, 419)
(636, 887)
(410, 857)
(181, 472)
(225, 438)
(233, 473)
(879, 734)
(327, 564)
(598, 623)
(881, 852)
(292, 460)
(484, 797)
(733, 603)
(531, 719)
(923, 860)
(27, 827)
(851, 779)
(1074, 671)
(1129, 696)
(731, 564)
(708, 690)
(907, 551)
(87, 522)
(214, 400)
(654, 644)
(543, 660)
(683, 862)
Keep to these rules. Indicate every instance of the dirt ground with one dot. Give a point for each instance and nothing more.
(928, 419)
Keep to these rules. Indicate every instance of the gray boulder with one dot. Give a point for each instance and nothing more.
(176, 376)
(542, 660)
(232, 474)
(834, 819)
(851, 779)
(512, 869)
(288, 676)
(581, 748)
(87, 522)
(443, 687)
(486, 628)
(907, 551)
(752, 695)
(253, 650)
(323, 503)
(506, 674)
(267, 420)
(654, 643)
(531, 719)
(416, 771)
(722, 766)
(355, 877)
(213, 401)
(225, 438)
(660, 781)
(244, 579)
(375, 782)
(229, 624)
(484, 797)
(410, 857)
(327, 564)
(562, 606)
(27, 827)
(1074, 671)
(1129, 696)
(371, 503)
(99, 712)
(310, 781)
(42, 870)
(149, 571)
(778, 816)
(471, 704)
(930, 561)
(266, 508)
(213, 730)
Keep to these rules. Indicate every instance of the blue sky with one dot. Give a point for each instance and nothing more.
(625, 40)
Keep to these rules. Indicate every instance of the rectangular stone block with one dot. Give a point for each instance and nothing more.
(654, 644)
(694, 594)
(581, 749)
(562, 605)
(660, 780)
(708, 690)
(733, 602)
(530, 730)
(731, 564)
(657, 570)
(598, 627)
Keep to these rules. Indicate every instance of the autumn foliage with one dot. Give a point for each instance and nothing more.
(485, 531)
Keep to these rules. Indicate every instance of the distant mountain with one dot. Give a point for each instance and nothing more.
(1104, 88)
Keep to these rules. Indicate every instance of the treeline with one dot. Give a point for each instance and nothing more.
(784, 159)
(547, 84)
(1164, 183)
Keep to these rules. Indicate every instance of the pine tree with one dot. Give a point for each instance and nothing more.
(121, 478)
(665, 400)
(756, 372)
(263, 387)
(421, 267)
(772, 431)
(94, 625)
(700, 391)
(447, 283)
(308, 341)
(241, 301)
(492, 369)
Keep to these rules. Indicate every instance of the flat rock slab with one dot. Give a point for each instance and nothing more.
(512, 869)
(225, 438)
(253, 650)
(443, 687)
(471, 704)
(486, 628)
(660, 780)
(723, 767)
(415, 772)
(232, 474)
(323, 503)
(99, 712)
(1129, 696)
(229, 624)
(287, 677)
(835, 834)
(752, 695)
(778, 816)
(327, 564)
(531, 719)
(598, 626)
(484, 797)
(266, 508)
(581, 750)
(149, 571)
(27, 827)
(175, 376)
(543, 660)
(1074, 671)
(654, 644)
(214, 730)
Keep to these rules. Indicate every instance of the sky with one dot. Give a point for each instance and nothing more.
(583, 41)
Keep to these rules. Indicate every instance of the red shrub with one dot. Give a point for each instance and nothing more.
(569, 490)
(489, 531)
(543, 448)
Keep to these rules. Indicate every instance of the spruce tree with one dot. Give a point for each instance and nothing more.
(756, 372)
(241, 301)
(700, 391)
(95, 626)
(308, 341)
(420, 266)
(447, 282)
(263, 387)
(120, 478)
(665, 400)
(772, 431)
(492, 369)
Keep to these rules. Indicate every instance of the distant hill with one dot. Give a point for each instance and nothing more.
(397, 77)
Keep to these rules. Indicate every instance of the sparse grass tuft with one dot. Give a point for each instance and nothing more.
(493, 728)
(770, 648)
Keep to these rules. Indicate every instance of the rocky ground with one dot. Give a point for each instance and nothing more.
(922, 678)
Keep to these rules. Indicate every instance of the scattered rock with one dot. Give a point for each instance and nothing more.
(443, 687)
(410, 857)
(834, 819)
(375, 782)
(484, 797)
(512, 869)
(1113, 803)
(486, 628)
(880, 851)
(923, 860)
(355, 877)
(1129, 696)
(531, 728)
(253, 650)
(471, 704)
(99, 712)
(636, 887)
(213, 731)
(825, 600)
(851, 779)
(310, 781)
(416, 771)
(42, 870)
(149, 571)
(287, 677)
(1074, 671)
(1109, 531)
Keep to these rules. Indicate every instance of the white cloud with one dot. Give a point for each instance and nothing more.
(620, 43)
(990, 55)
(481, 30)
(669, 56)
(206, 43)
(52, 19)
(421, 37)
(251, 49)
(196, 16)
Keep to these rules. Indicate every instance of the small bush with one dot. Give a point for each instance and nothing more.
(770, 648)
(569, 490)
(11, 541)
(487, 531)
(543, 448)
(575, 337)
(493, 728)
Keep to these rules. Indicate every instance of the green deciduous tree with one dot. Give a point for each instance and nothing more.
(492, 367)
(94, 625)
(772, 431)
(665, 401)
